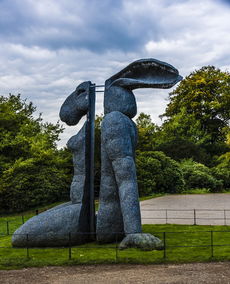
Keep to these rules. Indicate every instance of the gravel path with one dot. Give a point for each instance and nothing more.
(210, 209)
(156, 274)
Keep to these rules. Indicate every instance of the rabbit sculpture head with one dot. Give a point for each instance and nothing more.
(143, 73)
(76, 104)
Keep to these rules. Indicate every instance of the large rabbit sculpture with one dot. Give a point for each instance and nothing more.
(119, 212)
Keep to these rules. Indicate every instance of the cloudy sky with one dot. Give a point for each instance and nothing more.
(48, 47)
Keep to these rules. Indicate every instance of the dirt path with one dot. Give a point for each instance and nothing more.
(183, 273)
(180, 209)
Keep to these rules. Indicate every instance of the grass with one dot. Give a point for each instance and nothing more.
(154, 195)
(196, 191)
(202, 191)
(184, 243)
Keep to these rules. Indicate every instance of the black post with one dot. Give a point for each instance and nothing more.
(116, 248)
(27, 246)
(70, 251)
(90, 157)
(164, 236)
(212, 244)
(194, 212)
(7, 228)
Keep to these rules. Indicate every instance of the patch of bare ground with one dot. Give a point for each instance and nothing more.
(168, 273)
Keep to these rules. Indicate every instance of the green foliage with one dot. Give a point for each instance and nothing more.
(146, 132)
(198, 176)
(222, 174)
(222, 170)
(205, 94)
(179, 148)
(157, 173)
(199, 112)
(32, 170)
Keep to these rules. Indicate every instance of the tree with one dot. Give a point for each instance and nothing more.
(32, 170)
(146, 132)
(199, 110)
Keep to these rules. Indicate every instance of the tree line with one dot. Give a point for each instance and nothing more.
(190, 150)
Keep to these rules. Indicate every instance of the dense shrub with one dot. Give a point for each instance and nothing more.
(32, 170)
(33, 182)
(223, 174)
(158, 173)
(222, 170)
(197, 175)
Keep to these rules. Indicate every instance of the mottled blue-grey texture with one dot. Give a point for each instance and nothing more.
(119, 210)
(70, 221)
(76, 105)
(52, 228)
(142, 241)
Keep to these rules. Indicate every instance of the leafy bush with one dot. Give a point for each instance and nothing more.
(197, 175)
(157, 173)
(222, 170)
(223, 174)
(35, 181)
(32, 170)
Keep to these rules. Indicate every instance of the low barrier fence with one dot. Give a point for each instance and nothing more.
(207, 243)
(196, 242)
(186, 216)
(149, 216)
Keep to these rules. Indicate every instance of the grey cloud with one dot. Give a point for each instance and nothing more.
(95, 25)
(48, 47)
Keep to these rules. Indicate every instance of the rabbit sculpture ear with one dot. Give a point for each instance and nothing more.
(76, 104)
(145, 73)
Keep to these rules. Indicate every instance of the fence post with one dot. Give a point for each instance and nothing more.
(225, 222)
(164, 240)
(166, 216)
(27, 246)
(70, 251)
(7, 228)
(212, 244)
(194, 215)
(116, 248)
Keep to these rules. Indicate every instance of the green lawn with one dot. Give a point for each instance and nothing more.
(184, 243)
